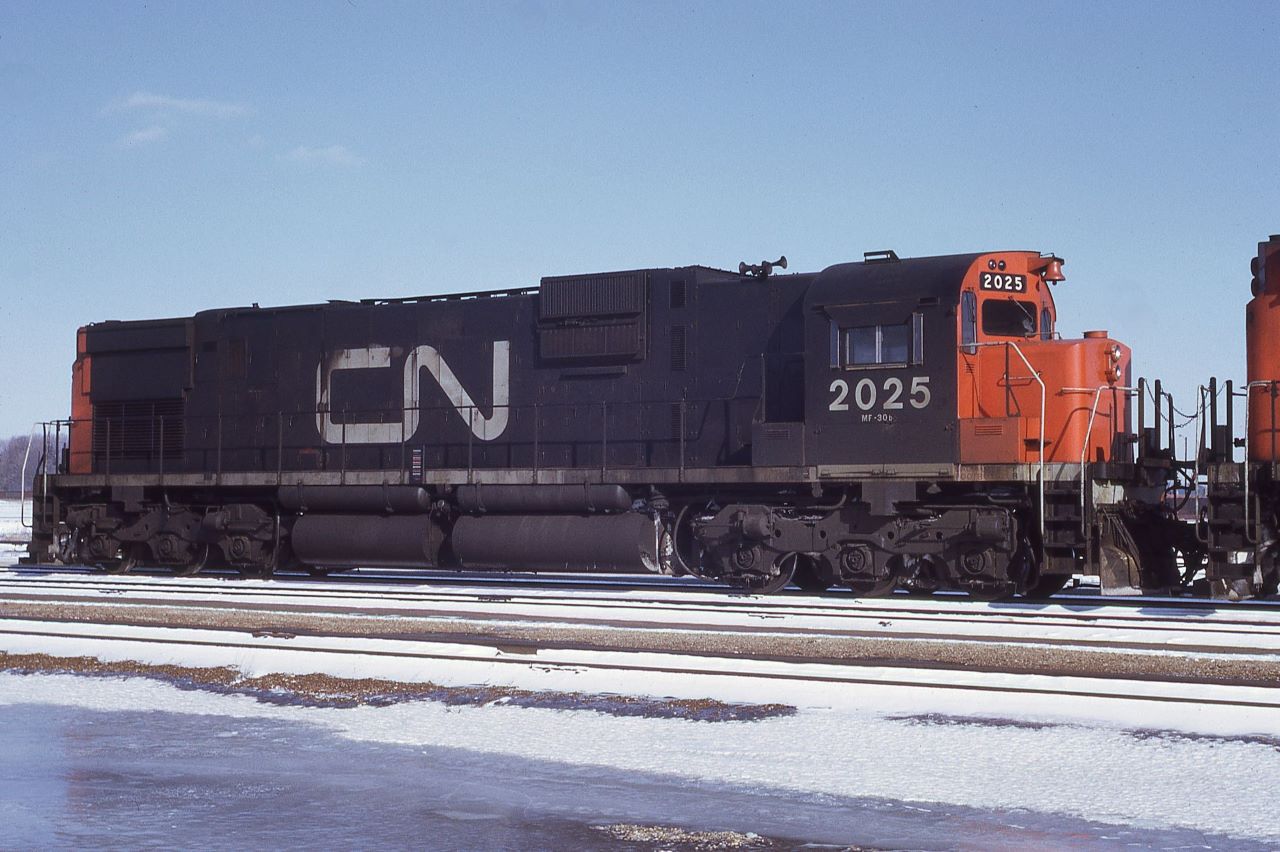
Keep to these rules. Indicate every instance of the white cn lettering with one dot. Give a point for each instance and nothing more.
(379, 357)
(485, 428)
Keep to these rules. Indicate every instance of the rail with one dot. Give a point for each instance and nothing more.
(1043, 402)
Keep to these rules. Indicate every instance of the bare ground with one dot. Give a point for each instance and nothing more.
(322, 690)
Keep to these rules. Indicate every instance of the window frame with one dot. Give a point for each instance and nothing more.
(841, 354)
(969, 322)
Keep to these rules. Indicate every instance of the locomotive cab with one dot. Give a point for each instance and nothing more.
(1026, 395)
(958, 362)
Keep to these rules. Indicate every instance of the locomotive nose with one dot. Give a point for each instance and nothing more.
(1262, 349)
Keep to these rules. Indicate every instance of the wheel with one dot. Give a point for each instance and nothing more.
(771, 584)
(920, 580)
(1047, 586)
(198, 562)
(685, 551)
(125, 562)
(806, 574)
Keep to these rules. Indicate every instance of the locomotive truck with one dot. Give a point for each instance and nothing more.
(890, 423)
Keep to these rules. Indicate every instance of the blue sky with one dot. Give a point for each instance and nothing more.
(157, 159)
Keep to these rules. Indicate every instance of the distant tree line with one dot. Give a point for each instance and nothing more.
(12, 451)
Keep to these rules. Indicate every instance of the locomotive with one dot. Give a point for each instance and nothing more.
(1238, 524)
(912, 423)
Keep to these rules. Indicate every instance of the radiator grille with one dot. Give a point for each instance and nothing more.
(593, 318)
(139, 429)
(677, 294)
(579, 296)
(590, 342)
(679, 353)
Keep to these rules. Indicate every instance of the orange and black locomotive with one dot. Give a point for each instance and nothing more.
(889, 423)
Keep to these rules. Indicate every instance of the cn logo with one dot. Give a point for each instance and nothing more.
(421, 357)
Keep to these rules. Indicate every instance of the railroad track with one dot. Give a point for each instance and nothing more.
(370, 657)
(1084, 595)
(1227, 631)
(1074, 659)
(427, 585)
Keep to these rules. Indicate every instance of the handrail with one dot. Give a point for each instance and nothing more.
(22, 487)
(1206, 417)
(1248, 400)
(1043, 402)
(129, 441)
(1088, 434)
(1203, 429)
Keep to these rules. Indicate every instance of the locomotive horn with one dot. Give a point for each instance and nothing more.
(762, 269)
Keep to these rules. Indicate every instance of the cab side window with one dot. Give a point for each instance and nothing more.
(1046, 324)
(969, 322)
(882, 345)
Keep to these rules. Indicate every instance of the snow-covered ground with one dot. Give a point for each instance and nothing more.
(1024, 769)
(1192, 709)
(11, 529)
(219, 775)
(920, 737)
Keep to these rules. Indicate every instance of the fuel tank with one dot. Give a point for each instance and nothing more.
(409, 541)
(628, 543)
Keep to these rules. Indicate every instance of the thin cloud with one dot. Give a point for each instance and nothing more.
(191, 106)
(333, 155)
(145, 136)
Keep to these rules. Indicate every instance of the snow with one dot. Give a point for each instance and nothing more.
(1199, 709)
(12, 514)
(1100, 772)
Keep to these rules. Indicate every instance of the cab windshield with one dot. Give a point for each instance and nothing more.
(1009, 318)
